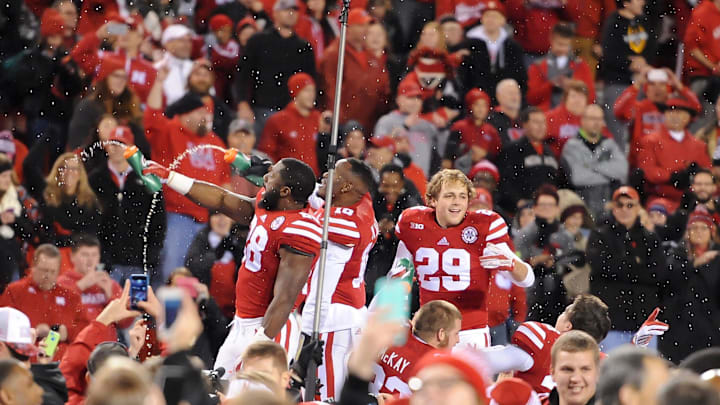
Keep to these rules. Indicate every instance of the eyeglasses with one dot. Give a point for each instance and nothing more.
(629, 205)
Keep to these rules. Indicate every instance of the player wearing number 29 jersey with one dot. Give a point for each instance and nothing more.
(455, 251)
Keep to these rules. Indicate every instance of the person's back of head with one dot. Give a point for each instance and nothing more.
(687, 388)
(257, 397)
(624, 373)
(120, 381)
(17, 386)
(104, 352)
(589, 314)
(300, 178)
(436, 322)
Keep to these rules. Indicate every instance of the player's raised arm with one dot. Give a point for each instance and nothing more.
(210, 196)
(292, 274)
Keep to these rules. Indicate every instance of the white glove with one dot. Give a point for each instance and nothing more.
(651, 327)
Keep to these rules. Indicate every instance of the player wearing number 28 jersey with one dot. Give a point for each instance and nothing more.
(454, 252)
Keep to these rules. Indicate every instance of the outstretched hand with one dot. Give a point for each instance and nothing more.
(651, 327)
(117, 309)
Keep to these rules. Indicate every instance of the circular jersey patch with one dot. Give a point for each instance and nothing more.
(469, 234)
(277, 223)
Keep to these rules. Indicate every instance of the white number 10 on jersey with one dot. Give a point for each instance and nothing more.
(454, 262)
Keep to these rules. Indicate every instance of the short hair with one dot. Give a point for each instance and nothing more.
(84, 240)
(300, 178)
(121, 382)
(546, 189)
(527, 112)
(257, 397)
(102, 353)
(7, 366)
(575, 341)
(433, 316)
(578, 86)
(392, 168)
(363, 171)
(448, 176)
(705, 171)
(624, 366)
(589, 314)
(686, 388)
(267, 349)
(702, 360)
(563, 30)
(47, 250)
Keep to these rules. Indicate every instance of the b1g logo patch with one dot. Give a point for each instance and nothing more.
(277, 223)
(469, 234)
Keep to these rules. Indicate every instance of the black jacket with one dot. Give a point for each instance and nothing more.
(201, 257)
(269, 61)
(628, 272)
(477, 71)
(622, 38)
(52, 381)
(523, 170)
(692, 305)
(554, 398)
(122, 223)
(504, 124)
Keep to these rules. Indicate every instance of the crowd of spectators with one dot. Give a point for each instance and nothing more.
(590, 126)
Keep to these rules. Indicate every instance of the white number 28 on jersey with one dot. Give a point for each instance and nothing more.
(454, 262)
(257, 241)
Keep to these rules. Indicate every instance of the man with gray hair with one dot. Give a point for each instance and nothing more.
(631, 375)
(505, 116)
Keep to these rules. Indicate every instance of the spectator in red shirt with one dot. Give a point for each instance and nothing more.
(668, 157)
(126, 47)
(473, 135)
(366, 86)
(190, 126)
(548, 77)
(224, 54)
(467, 12)
(563, 121)
(201, 82)
(292, 132)
(95, 286)
(318, 26)
(702, 48)
(641, 110)
(533, 21)
(44, 301)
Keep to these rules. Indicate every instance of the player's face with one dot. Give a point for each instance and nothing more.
(443, 384)
(340, 180)
(563, 322)
(451, 204)
(575, 375)
(273, 185)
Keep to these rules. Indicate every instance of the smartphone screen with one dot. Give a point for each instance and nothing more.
(117, 29)
(138, 289)
(171, 300)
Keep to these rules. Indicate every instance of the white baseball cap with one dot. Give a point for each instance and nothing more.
(175, 31)
(16, 332)
(657, 75)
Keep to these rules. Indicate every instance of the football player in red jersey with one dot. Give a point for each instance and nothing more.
(436, 325)
(281, 248)
(454, 252)
(351, 235)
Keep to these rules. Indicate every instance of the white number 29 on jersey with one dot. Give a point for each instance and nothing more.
(257, 241)
(454, 262)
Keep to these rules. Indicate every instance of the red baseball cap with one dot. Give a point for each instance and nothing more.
(109, 64)
(299, 81)
(485, 166)
(122, 134)
(466, 362)
(244, 23)
(474, 95)
(495, 5)
(358, 16)
(701, 215)
(513, 391)
(220, 20)
(409, 88)
(680, 103)
(51, 23)
(626, 191)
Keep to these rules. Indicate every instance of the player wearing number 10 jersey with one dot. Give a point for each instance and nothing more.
(281, 249)
(455, 250)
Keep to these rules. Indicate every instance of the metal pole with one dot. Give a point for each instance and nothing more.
(311, 376)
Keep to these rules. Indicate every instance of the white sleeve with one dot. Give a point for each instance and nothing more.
(529, 277)
(402, 253)
(502, 359)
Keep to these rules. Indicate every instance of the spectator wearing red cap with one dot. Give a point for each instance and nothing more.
(46, 303)
(466, 12)
(485, 174)
(126, 203)
(665, 157)
(366, 84)
(244, 29)
(548, 76)
(111, 83)
(261, 86)
(224, 53)
(594, 163)
(126, 35)
(380, 152)
(691, 267)
(702, 44)
(492, 51)
(638, 105)
(473, 135)
(433, 68)
(563, 121)
(628, 270)
(93, 14)
(293, 131)
(421, 134)
(319, 26)
(239, 11)
(191, 125)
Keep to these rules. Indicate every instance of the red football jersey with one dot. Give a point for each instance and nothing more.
(395, 367)
(536, 339)
(269, 231)
(352, 233)
(447, 260)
